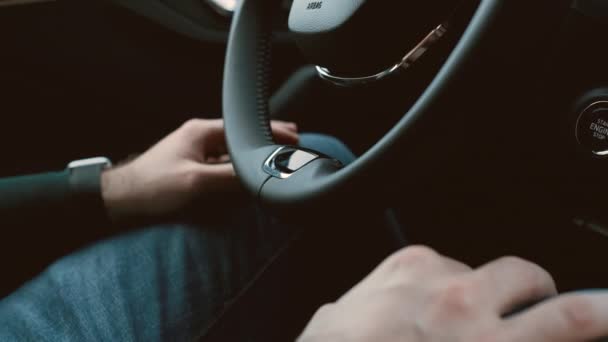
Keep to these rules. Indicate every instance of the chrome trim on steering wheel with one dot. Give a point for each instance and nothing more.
(287, 160)
(410, 58)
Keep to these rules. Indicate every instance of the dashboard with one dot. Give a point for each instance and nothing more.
(205, 20)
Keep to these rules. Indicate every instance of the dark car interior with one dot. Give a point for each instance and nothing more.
(507, 169)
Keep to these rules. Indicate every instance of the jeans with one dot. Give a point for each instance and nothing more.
(166, 283)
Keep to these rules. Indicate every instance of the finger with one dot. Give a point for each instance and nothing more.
(204, 135)
(210, 134)
(414, 264)
(510, 282)
(285, 136)
(225, 158)
(421, 261)
(400, 266)
(567, 318)
(213, 137)
(291, 126)
(212, 160)
(455, 267)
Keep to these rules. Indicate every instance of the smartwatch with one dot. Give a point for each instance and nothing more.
(85, 175)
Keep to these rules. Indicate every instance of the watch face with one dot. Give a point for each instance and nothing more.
(101, 161)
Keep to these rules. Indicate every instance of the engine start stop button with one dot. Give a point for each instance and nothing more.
(592, 128)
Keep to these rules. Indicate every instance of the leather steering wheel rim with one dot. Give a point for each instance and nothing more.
(321, 182)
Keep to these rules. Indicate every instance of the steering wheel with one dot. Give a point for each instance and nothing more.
(347, 40)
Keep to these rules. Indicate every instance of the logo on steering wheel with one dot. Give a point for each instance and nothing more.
(315, 5)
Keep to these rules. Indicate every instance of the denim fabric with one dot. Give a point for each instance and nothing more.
(166, 283)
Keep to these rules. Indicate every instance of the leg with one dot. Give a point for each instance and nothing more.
(170, 283)
(159, 284)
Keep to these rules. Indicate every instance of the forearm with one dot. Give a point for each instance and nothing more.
(49, 200)
(43, 217)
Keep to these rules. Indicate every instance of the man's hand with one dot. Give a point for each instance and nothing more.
(417, 295)
(190, 162)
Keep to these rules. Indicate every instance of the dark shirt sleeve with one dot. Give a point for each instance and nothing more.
(50, 199)
(42, 218)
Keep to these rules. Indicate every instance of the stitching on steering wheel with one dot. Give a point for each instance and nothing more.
(264, 69)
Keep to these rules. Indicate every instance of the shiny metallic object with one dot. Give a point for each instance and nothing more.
(287, 160)
(224, 7)
(410, 58)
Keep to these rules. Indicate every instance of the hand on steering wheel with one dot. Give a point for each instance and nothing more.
(189, 163)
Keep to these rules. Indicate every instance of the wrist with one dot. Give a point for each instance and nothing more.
(114, 191)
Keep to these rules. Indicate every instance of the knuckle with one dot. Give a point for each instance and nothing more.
(455, 299)
(535, 277)
(513, 261)
(324, 310)
(412, 256)
(578, 314)
(193, 125)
